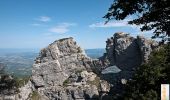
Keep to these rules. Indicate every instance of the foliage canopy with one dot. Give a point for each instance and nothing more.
(151, 14)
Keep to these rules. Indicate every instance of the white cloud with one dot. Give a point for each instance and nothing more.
(123, 23)
(110, 24)
(44, 19)
(115, 23)
(61, 28)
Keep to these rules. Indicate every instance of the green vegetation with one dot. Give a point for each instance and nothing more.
(65, 39)
(149, 14)
(79, 50)
(95, 82)
(35, 96)
(146, 83)
(21, 81)
(9, 82)
(78, 71)
(66, 82)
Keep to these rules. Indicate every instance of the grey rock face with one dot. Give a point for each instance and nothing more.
(25, 92)
(146, 46)
(56, 63)
(61, 72)
(127, 52)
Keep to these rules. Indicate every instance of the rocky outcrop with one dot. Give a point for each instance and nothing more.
(11, 90)
(146, 46)
(63, 72)
(127, 52)
(25, 92)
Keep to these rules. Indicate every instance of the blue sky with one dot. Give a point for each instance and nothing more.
(36, 23)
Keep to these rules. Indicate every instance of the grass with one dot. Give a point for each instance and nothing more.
(35, 96)
(21, 81)
(66, 82)
(95, 82)
(78, 71)
(79, 50)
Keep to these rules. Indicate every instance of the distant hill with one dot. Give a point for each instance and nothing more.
(19, 61)
(16, 50)
(95, 53)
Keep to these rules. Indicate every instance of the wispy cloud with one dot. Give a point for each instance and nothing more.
(115, 23)
(44, 19)
(123, 23)
(61, 28)
(110, 24)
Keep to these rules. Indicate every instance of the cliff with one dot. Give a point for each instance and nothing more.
(127, 52)
(124, 54)
(62, 71)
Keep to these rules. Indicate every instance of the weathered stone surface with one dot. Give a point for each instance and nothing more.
(105, 86)
(146, 46)
(62, 72)
(25, 92)
(127, 52)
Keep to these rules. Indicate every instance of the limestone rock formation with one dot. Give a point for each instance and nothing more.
(63, 72)
(126, 51)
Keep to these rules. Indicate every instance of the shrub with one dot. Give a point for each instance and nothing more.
(35, 96)
(66, 82)
(146, 83)
(21, 81)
